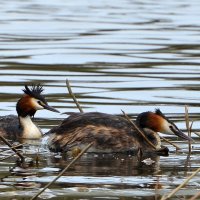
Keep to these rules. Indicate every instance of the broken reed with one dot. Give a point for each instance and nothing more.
(198, 134)
(187, 122)
(195, 196)
(181, 185)
(73, 96)
(12, 148)
(6, 157)
(170, 142)
(63, 171)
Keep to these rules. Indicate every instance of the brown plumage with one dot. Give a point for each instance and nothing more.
(110, 133)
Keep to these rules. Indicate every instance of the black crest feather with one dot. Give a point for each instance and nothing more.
(158, 112)
(35, 91)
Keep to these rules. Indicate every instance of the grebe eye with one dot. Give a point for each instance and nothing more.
(39, 102)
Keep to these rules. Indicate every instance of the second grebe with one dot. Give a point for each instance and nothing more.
(21, 126)
(110, 133)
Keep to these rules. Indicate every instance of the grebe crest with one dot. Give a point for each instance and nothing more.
(31, 101)
(26, 107)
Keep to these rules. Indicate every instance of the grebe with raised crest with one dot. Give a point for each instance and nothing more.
(22, 126)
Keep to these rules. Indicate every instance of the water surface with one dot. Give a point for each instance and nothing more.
(118, 55)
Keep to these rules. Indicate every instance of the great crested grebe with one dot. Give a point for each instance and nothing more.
(21, 126)
(110, 133)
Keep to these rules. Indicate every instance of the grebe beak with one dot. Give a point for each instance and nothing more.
(47, 107)
(180, 134)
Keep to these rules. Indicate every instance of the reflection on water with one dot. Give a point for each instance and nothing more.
(102, 175)
(129, 55)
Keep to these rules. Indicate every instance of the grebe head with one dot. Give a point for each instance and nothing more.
(158, 122)
(31, 101)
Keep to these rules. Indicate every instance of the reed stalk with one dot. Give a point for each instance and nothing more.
(138, 130)
(168, 141)
(188, 128)
(63, 171)
(181, 185)
(195, 196)
(18, 145)
(12, 148)
(198, 134)
(6, 157)
(73, 96)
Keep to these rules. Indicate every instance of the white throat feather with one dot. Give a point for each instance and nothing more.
(30, 130)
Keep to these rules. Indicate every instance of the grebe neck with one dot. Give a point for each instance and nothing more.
(153, 137)
(29, 129)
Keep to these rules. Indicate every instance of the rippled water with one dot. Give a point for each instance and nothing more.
(118, 55)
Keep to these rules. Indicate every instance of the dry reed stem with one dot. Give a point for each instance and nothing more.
(195, 196)
(18, 145)
(64, 170)
(198, 134)
(168, 141)
(6, 157)
(73, 96)
(188, 128)
(12, 148)
(181, 185)
(138, 130)
(157, 186)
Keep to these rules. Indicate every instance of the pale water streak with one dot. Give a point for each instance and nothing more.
(118, 55)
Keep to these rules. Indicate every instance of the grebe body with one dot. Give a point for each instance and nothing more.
(110, 133)
(22, 126)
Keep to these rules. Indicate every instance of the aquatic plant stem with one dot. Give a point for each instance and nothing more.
(12, 148)
(7, 157)
(181, 185)
(166, 140)
(64, 170)
(188, 128)
(138, 130)
(195, 196)
(18, 145)
(198, 134)
(73, 96)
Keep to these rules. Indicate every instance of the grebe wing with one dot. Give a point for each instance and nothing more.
(92, 118)
(110, 133)
(106, 139)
